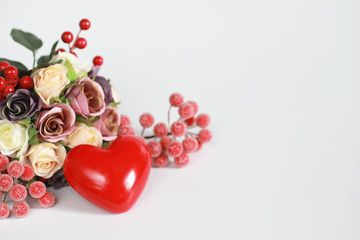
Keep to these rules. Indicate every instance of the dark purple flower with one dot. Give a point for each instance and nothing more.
(19, 105)
(58, 180)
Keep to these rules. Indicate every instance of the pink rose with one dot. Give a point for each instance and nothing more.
(55, 122)
(87, 99)
(109, 123)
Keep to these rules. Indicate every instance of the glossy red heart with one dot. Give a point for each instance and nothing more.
(112, 178)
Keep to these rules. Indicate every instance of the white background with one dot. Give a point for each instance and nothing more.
(280, 80)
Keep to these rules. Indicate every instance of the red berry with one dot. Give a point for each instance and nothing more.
(98, 61)
(203, 120)
(10, 72)
(9, 89)
(18, 193)
(28, 173)
(160, 130)
(81, 43)
(67, 37)
(178, 129)
(59, 51)
(12, 81)
(3, 65)
(4, 161)
(126, 130)
(155, 148)
(190, 122)
(190, 145)
(125, 121)
(20, 209)
(15, 169)
(0, 194)
(4, 210)
(204, 136)
(174, 149)
(47, 201)
(85, 24)
(2, 83)
(176, 99)
(73, 53)
(186, 110)
(37, 189)
(182, 160)
(26, 82)
(164, 141)
(161, 161)
(195, 106)
(6, 182)
(199, 145)
(146, 120)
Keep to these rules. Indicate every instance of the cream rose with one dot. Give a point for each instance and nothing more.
(50, 81)
(80, 69)
(46, 158)
(83, 134)
(13, 138)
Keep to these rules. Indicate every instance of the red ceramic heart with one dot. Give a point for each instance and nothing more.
(111, 178)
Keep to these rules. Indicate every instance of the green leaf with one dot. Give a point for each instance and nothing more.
(16, 64)
(71, 74)
(56, 99)
(46, 58)
(106, 144)
(33, 137)
(53, 48)
(81, 119)
(94, 118)
(114, 104)
(27, 121)
(28, 40)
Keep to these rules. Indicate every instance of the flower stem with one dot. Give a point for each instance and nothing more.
(169, 116)
(34, 61)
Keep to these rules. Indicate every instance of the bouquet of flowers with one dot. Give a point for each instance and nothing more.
(61, 103)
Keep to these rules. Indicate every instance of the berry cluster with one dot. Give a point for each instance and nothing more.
(13, 183)
(80, 42)
(9, 80)
(166, 142)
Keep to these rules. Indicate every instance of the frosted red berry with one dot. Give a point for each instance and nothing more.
(203, 120)
(4, 210)
(155, 148)
(178, 129)
(84, 24)
(164, 141)
(204, 136)
(146, 120)
(160, 130)
(195, 106)
(176, 99)
(67, 37)
(126, 130)
(190, 145)
(60, 50)
(161, 161)
(26, 82)
(6, 182)
(199, 145)
(47, 201)
(4, 161)
(174, 149)
(186, 110)
(3, 65)
(37, 189)
(2, 83)
(81, 43)
(182, 160)
(10, 72)
(28, 173)
(98, 61)
(190, 122)
(125, 120)
(0, 194)
(18, 193)
(15, 169)
(20, 209)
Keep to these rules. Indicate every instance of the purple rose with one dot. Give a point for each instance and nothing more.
(109, 123)
(55, 122)
(87, 99)
(103, 82)
(19, 105)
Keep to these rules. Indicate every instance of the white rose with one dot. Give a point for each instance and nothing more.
(50, 81)
(13, 138)
(46, 158)
(83, 134)
(80, 69)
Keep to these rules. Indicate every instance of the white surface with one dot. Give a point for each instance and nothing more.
(281, 82)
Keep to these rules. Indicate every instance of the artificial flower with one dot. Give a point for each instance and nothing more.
(13, 138)
(109, 123)
(80, 69)
(84, 134)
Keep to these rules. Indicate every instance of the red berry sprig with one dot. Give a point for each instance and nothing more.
(174, 140)
(13, 183)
